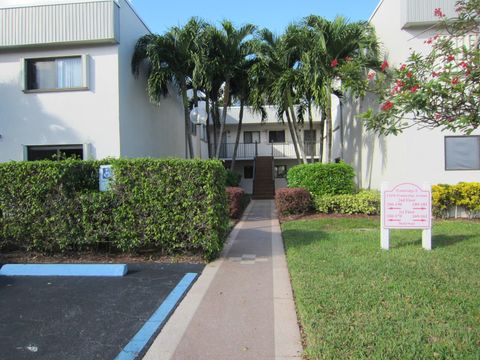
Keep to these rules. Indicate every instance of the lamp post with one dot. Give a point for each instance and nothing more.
(198, 116)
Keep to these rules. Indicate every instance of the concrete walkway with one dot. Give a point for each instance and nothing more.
(241, 307)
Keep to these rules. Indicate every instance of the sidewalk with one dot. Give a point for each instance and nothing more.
(241, 307)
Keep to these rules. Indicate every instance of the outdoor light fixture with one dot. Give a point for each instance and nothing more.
(198, 115)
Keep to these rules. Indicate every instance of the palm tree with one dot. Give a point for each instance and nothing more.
(169, 58)
(276, 75)
(234, 48)
(340, 51)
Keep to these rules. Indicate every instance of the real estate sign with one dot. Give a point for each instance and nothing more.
(406, 206)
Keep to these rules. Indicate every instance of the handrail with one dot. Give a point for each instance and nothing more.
(250, 150)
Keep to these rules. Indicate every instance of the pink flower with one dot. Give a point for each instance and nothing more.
(414, 88)
(438, 13)
(334, 63)
(436, 74)
(403, 67)
(348, 58)
(450, 58)
(387, 105)
(455, 81)
(371, 75)
(409, 75)
(400, 83)
(463, 64)
(385, 65)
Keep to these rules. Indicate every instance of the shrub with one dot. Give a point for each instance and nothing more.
(237, 201)
(365, 202)
(233, 178)
(167, 205)
(466, 195)
(293, 201)
(322, 179)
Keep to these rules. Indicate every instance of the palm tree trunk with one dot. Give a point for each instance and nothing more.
(226, 100)
(186, 111)
(328, 130)
(237, 138)
(294, 122)
(322, 135)
(215, 123)
(293, 136)
(310, 122)
(207, 109)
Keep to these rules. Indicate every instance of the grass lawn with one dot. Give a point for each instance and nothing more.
(355, 300)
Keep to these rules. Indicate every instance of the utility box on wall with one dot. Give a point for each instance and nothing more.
(105, 177)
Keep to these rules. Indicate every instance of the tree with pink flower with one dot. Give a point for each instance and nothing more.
(437, 90)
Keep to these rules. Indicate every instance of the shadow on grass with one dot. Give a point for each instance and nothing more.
(438, 241)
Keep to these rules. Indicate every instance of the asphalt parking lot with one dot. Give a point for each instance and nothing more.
(81, 317)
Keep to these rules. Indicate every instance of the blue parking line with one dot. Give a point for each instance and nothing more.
(63, 270)
(141, 338)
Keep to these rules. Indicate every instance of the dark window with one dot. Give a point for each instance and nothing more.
(462, 153)
(56, 73)
(276, 136)
(54, 152)
(248, 172)
(280, 171)
(250, 137)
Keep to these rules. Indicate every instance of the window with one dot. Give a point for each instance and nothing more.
(250, 137)
(276, 136)
(65, 73)
(248, 172)
(462, 153)
(54, 152)
(280, 171)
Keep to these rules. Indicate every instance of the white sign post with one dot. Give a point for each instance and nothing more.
(406, 206)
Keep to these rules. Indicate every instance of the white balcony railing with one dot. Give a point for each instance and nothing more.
(249, 151)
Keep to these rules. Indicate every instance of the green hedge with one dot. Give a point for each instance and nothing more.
(365, 202)
(466, 195)
(322, 179)
(173, 206)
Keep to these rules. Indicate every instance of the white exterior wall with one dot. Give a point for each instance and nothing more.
(416, 155)
(63, 117)
(145, 129)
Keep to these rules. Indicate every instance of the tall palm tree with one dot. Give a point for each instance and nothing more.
(340, 51)
(168, 59)
(234, 48)
(276, 76)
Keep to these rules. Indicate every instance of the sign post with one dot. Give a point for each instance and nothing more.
(406, 206)
(105, 176)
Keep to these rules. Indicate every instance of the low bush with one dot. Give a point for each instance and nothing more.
(233, 178)
(466, 195)
(293, 201)
(173, 206)
(322, 179)
(237, 201)
(365, 202)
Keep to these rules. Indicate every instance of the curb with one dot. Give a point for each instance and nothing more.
(113, 270)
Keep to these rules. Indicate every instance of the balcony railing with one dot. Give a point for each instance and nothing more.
(249, 151)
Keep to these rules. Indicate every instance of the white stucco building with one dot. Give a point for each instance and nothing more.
(66, 84)
(416, 155)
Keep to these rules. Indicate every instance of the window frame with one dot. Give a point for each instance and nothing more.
(445, 151)
(284, 173)
(277, 142)
(58, 148)
(244, 171)
(251, 134)
(85, 71)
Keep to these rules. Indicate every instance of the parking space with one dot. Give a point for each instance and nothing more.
(79, 317)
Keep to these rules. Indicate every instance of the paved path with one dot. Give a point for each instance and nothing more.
(241, 307)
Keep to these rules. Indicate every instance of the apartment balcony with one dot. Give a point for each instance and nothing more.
(421, 12)
(58, 24)
(277, 150)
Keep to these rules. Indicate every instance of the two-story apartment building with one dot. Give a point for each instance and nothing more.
(265, 151)
(419, 155)
(66, 85)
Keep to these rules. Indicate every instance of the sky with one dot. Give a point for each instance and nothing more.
(160, 15)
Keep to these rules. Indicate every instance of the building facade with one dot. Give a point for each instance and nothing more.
(66, 86)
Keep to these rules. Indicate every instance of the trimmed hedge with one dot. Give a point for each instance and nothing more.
(293, 201)
(233, 178)
(237, 201)
(169, 205)
(466, 195)
(323, 179)
(365, 202)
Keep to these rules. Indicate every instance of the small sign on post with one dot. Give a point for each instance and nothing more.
(406, 206)
(105, 176)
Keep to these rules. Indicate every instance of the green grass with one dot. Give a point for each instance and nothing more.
(357, 301)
